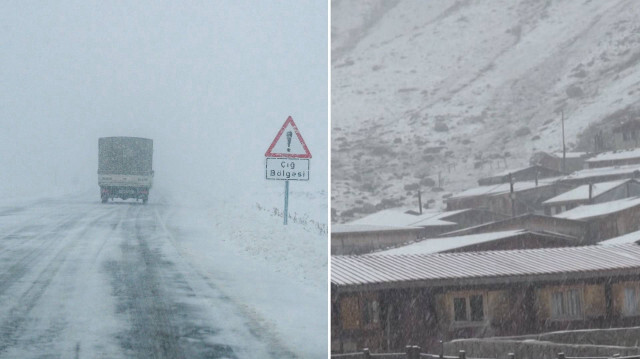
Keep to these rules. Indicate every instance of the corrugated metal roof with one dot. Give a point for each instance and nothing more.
(479, 267)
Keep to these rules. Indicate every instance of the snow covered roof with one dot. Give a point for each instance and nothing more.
(616, 155)
(435, 245)
(633, 237)
(489, 267)
(602, 171)
(359, 228)
(506, 172)
(600, 209)
(503, 188)
(582, 192)
(399, 218)
(571, 154)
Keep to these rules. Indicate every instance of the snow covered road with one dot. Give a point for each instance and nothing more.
(79, 279)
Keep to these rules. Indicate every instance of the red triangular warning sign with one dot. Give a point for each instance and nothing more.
(289, 146)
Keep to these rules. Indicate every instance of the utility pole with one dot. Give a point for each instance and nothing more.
(564, 149)
(512, 196)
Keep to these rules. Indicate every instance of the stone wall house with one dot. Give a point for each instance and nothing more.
(573, 228)
(500, 240)
(597, 175)
(359, 239)
(615, 158)
(609, 219)
(573, 161)
(590, 194)
(527, 197)
(394, 227)
(627, 135)
(385, 302)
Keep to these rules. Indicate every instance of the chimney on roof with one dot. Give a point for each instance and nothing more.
(590, 192)
(536, 178)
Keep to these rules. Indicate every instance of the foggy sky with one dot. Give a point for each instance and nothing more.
(211, 82)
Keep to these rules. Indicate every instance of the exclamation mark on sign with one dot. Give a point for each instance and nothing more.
(289, 135)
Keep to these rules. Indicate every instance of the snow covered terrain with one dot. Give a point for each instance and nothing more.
(463, 89)
(182, 277)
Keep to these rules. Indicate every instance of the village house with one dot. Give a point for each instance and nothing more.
(362, 238)
(615, 158)
(571, 228)
(609, 219)
(627, 135)
(601, 174)
(394, 227)
(573, 161)
(629, 238)
(384, 302)
(530, 173)
(503, 240)
(527, 197)
(592, 193)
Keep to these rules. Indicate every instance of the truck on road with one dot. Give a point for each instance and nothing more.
(125, 168)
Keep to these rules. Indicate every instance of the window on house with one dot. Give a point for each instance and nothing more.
(477, 311)
(631, 301)
(574, 303)
(468, 308)
(557, 308)
(371, 312)
(566, 304)
(460, 309)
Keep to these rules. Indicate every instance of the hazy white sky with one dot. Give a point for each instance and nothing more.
(211, 82)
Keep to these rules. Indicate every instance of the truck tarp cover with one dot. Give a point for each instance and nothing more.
(125, 156)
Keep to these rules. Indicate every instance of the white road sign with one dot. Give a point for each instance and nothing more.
(287, 169)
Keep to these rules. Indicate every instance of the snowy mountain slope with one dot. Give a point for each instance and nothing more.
(463, 88)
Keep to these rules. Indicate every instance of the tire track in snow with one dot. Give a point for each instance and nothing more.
(13, 324)
(138, 289)
(26, 261)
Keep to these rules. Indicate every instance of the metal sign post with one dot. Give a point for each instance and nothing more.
(286, 201)
(287, 159)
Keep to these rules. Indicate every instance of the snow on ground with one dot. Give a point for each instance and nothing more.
(277, 272)
(223, 272)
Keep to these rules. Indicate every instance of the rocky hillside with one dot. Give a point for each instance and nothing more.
(431, 95)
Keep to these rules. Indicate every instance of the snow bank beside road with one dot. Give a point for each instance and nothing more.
(277, 274)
